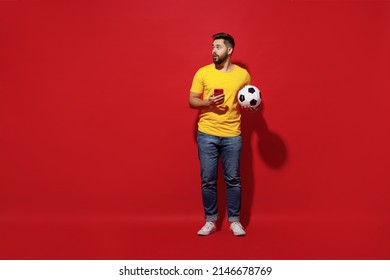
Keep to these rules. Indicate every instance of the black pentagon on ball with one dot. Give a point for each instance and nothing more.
(251, 90)
(253, 102)
(242, 97)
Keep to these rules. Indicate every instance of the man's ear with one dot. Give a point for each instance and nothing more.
(230, 50)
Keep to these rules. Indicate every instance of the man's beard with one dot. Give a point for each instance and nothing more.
(218, 60)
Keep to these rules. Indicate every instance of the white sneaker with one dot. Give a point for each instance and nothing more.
(237, 229)
(208, 228)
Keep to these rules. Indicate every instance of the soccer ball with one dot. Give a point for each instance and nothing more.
(249, 96)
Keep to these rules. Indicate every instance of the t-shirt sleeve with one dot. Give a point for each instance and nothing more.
(248, 78)
(197, 83)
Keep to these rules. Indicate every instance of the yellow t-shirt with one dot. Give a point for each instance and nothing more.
(223, 120)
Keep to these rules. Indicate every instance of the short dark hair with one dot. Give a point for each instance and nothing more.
(227, 39)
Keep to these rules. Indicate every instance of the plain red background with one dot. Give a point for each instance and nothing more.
(98, 158)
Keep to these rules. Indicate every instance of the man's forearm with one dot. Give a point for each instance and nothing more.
(198, 103)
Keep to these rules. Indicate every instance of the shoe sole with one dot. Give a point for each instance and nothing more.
(238, 234)
(201, 234)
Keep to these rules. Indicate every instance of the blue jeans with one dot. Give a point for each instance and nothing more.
(210, 149)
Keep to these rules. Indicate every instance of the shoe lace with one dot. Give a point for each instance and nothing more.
(236, 226)
(208, 226)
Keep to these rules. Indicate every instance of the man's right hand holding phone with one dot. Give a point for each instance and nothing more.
(217, 98)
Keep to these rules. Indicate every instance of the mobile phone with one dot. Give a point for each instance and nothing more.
(218, 91)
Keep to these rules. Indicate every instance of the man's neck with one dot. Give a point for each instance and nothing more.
(227, 66)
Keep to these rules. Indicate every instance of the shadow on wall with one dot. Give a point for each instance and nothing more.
(270, 146)
(271, 149)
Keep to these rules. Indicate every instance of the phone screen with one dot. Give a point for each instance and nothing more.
(218, 91)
